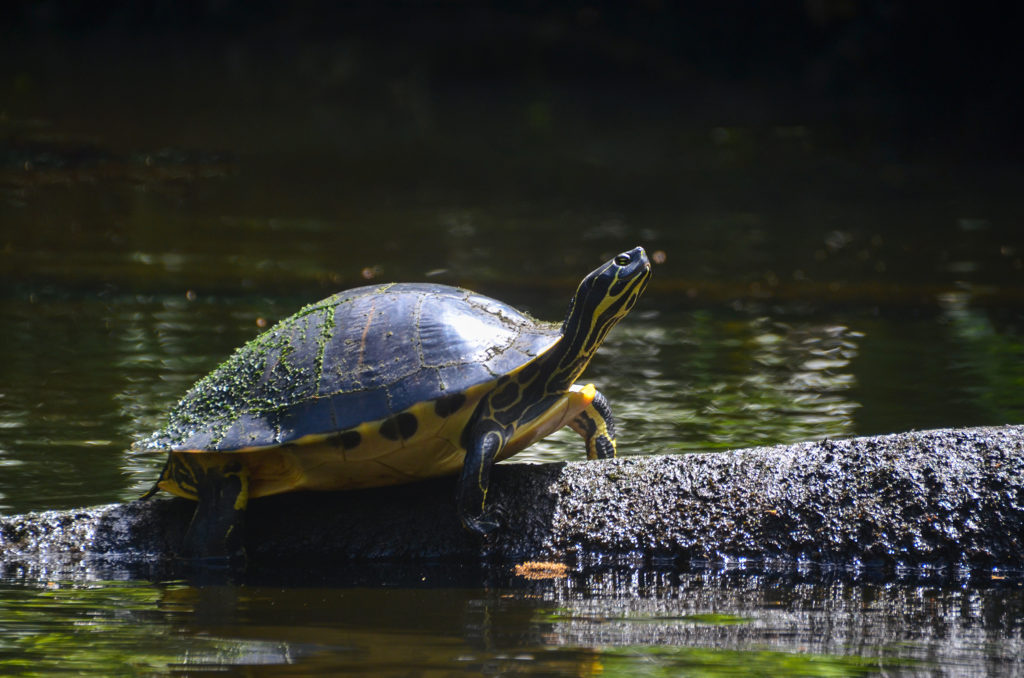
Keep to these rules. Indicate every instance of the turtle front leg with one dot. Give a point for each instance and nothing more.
(215, 536)
(471, 497)
(597, 426)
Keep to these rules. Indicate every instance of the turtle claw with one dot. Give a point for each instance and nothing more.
(487, 523)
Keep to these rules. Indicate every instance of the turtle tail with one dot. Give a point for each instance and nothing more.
(156, 486)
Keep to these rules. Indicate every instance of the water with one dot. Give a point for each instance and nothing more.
(157, 211)
(709, 623)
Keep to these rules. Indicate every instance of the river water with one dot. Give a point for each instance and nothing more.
(807, 287)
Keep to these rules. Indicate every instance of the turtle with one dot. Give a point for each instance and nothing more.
(388, 384)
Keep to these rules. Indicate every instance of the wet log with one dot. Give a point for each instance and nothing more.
(945, 498)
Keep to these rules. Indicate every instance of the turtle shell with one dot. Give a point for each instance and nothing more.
(366, 354)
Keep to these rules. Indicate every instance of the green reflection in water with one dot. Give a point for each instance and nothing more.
(85, 629)
(704, 380)
(129, 629)
(962, 368)
(709, 663)
(989, 355)
(126, 628)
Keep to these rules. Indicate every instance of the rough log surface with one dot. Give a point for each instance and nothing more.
(949, 498)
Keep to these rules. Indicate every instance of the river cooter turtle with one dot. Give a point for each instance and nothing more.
(388, 384)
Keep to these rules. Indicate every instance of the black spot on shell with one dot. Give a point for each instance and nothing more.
(449, 405)
(400, 426)
(345, 440)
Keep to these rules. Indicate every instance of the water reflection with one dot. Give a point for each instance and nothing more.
(987, 355)
(115, 629)
(711, 622)
(700, 381)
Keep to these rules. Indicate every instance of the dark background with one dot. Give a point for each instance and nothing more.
(913, 77)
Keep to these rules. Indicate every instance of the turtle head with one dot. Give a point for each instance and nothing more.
(604, 298)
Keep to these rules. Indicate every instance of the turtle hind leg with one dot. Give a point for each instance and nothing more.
(597, 426)
(215, 537)
(471, 500)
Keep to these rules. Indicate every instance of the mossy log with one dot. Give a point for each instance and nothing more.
(947, 498)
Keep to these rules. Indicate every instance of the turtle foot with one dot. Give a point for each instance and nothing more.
(487, 523)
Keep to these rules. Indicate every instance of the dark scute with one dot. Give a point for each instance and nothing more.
(380, 338)
(480, 334)
(248, 430)
(352, 409)
(507, 359)
(449, 405)
(346, 439)
(372, 342)
(282, 365)
(418, 387)
(459, 377)
(315, 415)
(197, 440)
(399, 427)
(390, 351)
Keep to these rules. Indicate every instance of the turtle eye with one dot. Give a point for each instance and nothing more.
(621, 260)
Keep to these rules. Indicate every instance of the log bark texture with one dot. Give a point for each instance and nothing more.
(948, 498)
